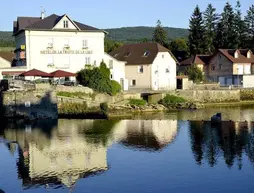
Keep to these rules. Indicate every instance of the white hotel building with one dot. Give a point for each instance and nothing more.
(59, 43)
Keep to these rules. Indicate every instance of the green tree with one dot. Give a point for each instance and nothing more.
(159, 34)
(249, 22)
(210, 22)
(196, 32)
(98, 78)
(218, 43)
(110, 45)
(195, 74)
(240, 27)
(179, 46)
(229, 36)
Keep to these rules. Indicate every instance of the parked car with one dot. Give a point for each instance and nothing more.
(69, 83)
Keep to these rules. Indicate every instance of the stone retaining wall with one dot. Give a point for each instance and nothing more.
(23, 103)
(210, 95)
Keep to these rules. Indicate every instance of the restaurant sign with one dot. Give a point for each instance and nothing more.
(66, 52)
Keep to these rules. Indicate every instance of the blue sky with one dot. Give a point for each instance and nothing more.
(112, 13)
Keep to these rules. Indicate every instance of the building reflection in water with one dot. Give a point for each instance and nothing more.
(61, 152)
(230, 140)
(147, 135)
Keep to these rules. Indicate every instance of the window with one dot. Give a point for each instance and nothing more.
(162, 55)
(66, 62)
(220, 66)
(50, 43)
(167, 70)
(133, 83)
(84, 44)
(94, 63)
(87, 60)
(110, 64)
(213, 67)
(111, 76)
(140, 69)
(127, 54)
(146, 53)
(50, 60)
(66, 24)
(66, 43)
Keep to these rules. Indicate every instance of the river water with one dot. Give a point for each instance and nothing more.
(175, 152)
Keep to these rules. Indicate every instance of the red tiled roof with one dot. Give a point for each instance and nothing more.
(9, 56)
(197, 59)
(229, 53)
(61, 73)
(12, 72)
(35, 72)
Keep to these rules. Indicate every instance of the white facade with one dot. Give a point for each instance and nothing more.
(64, 47)
(163, 72)
(117, 69)
(47, 50)
(4, 63)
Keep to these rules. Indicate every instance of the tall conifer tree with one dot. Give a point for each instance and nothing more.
(210, 22)
(196, 32)
(240, 28)
(249, 22)
(159, 34)
(228, 23)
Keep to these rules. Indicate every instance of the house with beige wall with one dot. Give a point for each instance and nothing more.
(200, 61)
(226, 66)
(149, 66)
(232, 67)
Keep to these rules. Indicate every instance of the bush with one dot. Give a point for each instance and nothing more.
(115, 87)
(247, 95)
(169, 100)
(73, 108)
(137, 102)
(104, 107)
(98, 78)
(195, 74)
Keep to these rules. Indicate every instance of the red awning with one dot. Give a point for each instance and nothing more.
(12, 72)
(61, 73)
(35, 72)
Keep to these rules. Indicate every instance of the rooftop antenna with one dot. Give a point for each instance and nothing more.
(43, 12)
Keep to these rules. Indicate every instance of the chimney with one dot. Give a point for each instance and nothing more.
(42, 12)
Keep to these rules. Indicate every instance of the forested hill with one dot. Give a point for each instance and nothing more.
(125, 34)
(135, 34)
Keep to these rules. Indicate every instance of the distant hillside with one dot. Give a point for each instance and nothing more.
(125, 34)
(134, 34)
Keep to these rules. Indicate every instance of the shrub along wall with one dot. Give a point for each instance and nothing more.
(247, 95)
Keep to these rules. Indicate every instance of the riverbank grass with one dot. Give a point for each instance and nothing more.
(137, 102)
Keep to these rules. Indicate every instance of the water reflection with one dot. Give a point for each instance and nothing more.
(53, 154)
(230, 140)
(56, 154)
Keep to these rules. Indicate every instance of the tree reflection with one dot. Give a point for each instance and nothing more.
(228, 139)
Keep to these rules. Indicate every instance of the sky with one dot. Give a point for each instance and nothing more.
(112, 13)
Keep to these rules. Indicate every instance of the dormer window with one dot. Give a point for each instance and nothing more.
(66, 24)
(146, 53)
(127, 54)
(236, 54)
(249, 54)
